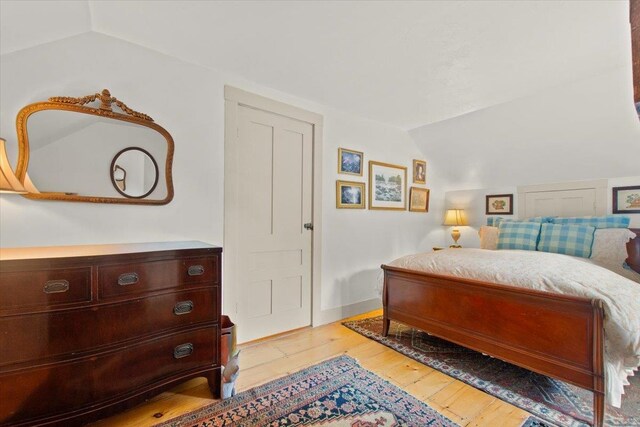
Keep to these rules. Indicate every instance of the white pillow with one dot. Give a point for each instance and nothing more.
(610, 246)
(488, 237)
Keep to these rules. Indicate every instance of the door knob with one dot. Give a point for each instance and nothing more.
(308, 226)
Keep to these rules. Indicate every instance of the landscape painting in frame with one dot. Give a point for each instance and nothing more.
(350, 195)
(350, 161)
(387, 186)
(419, 172)
(419, 199)
(499, 204)
(626, 200)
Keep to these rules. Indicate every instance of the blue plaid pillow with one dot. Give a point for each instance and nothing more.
(495, 221)
(569, 239)
(491, 221)
(518, 235)
(607, 221)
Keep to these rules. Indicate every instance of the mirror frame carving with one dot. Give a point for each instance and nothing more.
(78, 105)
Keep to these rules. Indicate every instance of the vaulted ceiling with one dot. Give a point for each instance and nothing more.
(403, 63)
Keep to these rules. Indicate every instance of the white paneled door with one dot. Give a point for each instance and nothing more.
(580, 202)
(274, 203)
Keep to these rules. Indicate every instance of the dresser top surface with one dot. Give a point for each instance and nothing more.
(11, 254)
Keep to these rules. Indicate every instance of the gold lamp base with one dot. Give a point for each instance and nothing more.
(455, 235)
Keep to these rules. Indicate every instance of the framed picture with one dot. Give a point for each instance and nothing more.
(350, 161)
(350, 195)
(626, 200)
(387, 186)
(500, 204)
(419, 199)
(419, 171)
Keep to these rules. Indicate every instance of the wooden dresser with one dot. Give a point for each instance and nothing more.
(86, 331)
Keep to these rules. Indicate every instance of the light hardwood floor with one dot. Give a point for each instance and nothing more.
(266, 360)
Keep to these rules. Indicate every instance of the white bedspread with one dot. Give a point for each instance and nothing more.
(559, 274)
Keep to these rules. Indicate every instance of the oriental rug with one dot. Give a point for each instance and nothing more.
(551, 400)
(337, 392)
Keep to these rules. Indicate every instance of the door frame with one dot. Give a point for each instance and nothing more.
(235, 98)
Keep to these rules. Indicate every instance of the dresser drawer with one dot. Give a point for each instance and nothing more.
(92, 380)
(42, 335)
(126, 279)
(27, 290)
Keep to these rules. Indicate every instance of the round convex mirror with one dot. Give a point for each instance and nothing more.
(134, 173)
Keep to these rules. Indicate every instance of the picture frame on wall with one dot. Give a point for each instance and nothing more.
(499, 204)
(350, 195)
(419, 171)
(387, 186)
(626, 200)
(350, 162)
(419, 199)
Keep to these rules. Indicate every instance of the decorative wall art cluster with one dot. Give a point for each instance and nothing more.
(387, 184)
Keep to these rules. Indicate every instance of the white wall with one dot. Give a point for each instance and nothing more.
(582, 131)
(188, 101)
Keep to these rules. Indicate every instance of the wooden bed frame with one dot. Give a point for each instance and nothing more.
(560, 336)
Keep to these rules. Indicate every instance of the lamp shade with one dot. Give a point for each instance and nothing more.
(455, 217)
(9, 182)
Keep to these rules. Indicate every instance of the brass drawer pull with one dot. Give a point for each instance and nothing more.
(128, 279)
(56, 286)
(195, 270)
(183, 350)
(183, 307)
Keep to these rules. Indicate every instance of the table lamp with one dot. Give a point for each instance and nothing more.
(455, 217)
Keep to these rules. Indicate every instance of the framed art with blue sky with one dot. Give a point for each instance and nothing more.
(350, 161)
(350, 195)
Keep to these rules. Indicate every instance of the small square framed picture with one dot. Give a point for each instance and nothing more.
(419, 199)
(419, 172)
(350, 162)
(499, 204)
(626, 200)
(350, 195)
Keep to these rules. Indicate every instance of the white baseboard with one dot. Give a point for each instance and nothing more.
(339, 313)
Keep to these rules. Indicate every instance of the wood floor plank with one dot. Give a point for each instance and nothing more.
(273, 358)
(500, 413)
(259, 354)
(407, 372)
(463, 401)
(429, 385)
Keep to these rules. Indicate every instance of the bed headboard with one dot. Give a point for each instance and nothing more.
(633, 249)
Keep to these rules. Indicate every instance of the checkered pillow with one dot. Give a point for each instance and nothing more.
(570, 239)
(518, 235)
(495, 221)
(607, 221)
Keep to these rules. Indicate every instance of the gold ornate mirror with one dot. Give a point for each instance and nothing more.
(75, 152)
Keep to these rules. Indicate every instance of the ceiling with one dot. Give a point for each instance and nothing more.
(403, 63)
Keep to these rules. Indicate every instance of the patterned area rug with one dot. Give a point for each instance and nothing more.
(337, 392)
(549, 399)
